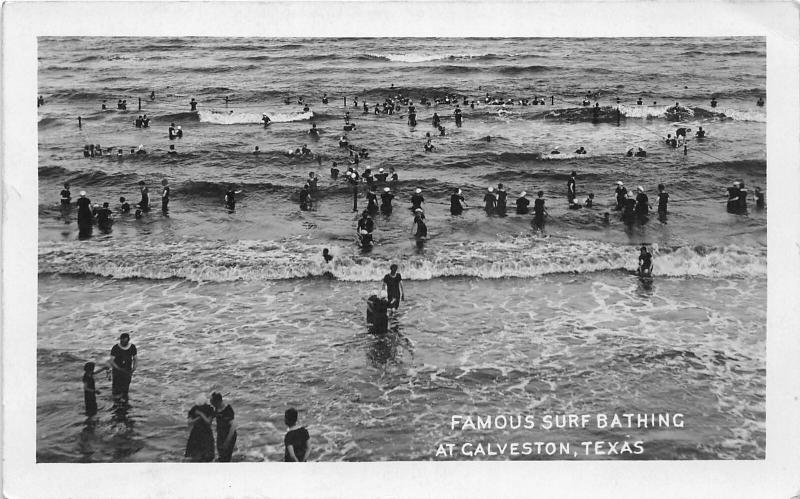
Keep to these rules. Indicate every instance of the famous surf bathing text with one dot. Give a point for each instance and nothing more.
(471, 429)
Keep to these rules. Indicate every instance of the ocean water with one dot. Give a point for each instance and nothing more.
(498, 320)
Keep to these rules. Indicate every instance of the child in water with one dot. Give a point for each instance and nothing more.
(89, 391)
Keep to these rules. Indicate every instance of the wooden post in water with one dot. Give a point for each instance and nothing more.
(140, 103)
(79, 121)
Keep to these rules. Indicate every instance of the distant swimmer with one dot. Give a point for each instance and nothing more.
(138, 122)
(645, 263)
(502, 200)
(265, 119)
(393, 178)
(733, 198)
(324, 98)
(230, 199)
(140, 150)
(343, 141)
(372, 200)
(760, 201)
(305, 198)
(326, 255)
(539, 211)
(589, 200)
(103, 106)
(256, 150)
(639, 102)
(418, 227)
(381, 176)
(663, 199)
(457, 115)
(334, 171)
(580, 150)
(629, 209)
(312, 181)
(314, 131)
(193, 104)
(417, 199)
(429, 146)
(586, 102)
(164, 196)
(489, 201)
(760, 102)
(153, 95)
(636, 152)
(642, 208)
(571, 187)
(441, 131)
(713, 102)
(574, 204)
(66, 196)
(172, 150)
(104, 219)
(700, 133)
(456, 202)
(84, 214)
(393, 284)
(144, 202)
(681, 132)
(145, 121)
(670, 141)
(347, 117)
(386, 201)
(522, 204)
(124, 206)
(171, 133)
(366, 222)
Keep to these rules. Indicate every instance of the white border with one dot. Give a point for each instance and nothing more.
(777, 476)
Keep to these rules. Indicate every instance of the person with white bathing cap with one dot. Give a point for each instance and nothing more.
(417, 199)
(490, 202)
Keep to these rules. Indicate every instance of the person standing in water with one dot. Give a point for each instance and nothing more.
(89, 391)
(392, 283)
(539, 211)
(571, 188)
(123, 364)
(296, 446)
(144, 203)
(226, 428)
(645, 263)
(66, 196)
(200, 445)
(84, 214)
(502, 197)
(663, 199)
(164, 196)
(386, 201)
(457, 202)
(489, 201)
(522, 204)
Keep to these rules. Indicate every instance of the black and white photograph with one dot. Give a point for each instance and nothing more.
(294, 246)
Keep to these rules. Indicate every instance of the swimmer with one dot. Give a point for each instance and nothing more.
(417, 199)
(571, 188)
(372, 200)
(645, 263)
(104, 219)
(334, 171)
(580, 150)
(539, 211)
(589, 200)
(144, 203)
(193, 104)
(124, 207)
(760, 202)
(265, 119)
(171, 131)
(305, 198)
(381, 175)
(66, 197)
(490, 201)
(172, 150)
(312, 182)
(663, 199)
(365, 223)
(138, 214)
(639, 102)
(456, 202)
(628, 209)
(119, 154)
(230, 199)
(642, 207)
(326, 255)
(441, 131)
(429, 146)
(700, 134)
(164, 196)
(733, 198)
(179, 132)
(713, 102)
(418, 227)
(681, 132)
(393, 284)
(502, 197)
(386, 201)
(313, 130)
(760, 102)
(522, 204)
(256, 150)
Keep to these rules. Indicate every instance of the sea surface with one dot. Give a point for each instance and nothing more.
(498, 319)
